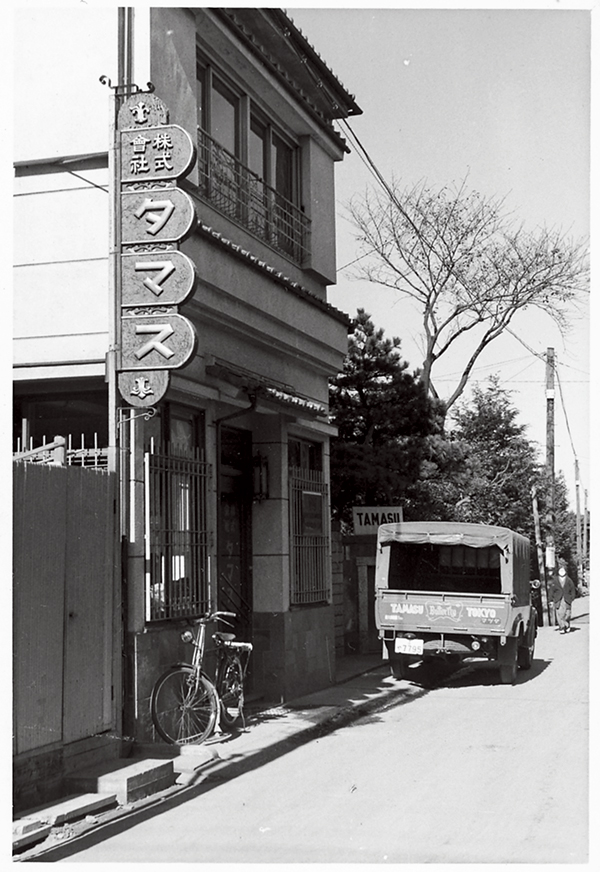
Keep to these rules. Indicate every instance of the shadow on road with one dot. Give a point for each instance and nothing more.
(365, 709)
(472, 674)
(485, 675)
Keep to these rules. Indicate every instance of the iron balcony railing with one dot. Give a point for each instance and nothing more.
(240, 194)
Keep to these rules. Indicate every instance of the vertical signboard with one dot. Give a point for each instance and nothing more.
(155, 277)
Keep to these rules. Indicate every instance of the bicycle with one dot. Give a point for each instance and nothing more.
(186, 706)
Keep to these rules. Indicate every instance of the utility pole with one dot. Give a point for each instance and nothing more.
(124, 79)
(550, 514)
(578, 529)
(124, 75)
(540, 555)
(585, 534)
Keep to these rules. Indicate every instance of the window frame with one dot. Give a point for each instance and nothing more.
(247, 110)
(310, 544)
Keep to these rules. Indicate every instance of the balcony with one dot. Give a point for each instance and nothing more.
(241, 195)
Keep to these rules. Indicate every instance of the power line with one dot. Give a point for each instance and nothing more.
(356, 259)
(478, 369)
(361, 150)
(562, 402)
(539, 354)
(525, 368)
(368, 161)
(88, 181)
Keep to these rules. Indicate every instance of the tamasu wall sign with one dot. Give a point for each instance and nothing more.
(154, 276)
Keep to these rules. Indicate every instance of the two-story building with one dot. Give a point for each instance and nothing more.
(224, 481)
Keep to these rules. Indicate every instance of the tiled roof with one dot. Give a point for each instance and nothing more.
(355, 110)
(295, 287)
(273, 37)
(295, 401)
(260, 387)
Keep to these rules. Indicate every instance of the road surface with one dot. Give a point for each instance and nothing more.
(469, 771)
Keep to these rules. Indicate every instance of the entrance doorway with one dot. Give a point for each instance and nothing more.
(234, 528)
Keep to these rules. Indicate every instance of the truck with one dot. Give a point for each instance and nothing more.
(454, 592)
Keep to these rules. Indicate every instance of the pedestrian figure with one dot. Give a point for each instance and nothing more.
(563, 594)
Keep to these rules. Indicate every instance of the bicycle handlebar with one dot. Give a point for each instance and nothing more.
(209, 616)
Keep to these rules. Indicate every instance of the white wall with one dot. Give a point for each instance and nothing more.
(61, 219)
(60, 107)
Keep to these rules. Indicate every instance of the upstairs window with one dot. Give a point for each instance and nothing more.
(249, 169)
(283, 168)
(257, 148)
(224, 117)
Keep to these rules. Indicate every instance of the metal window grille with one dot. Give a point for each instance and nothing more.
(240, 194)
(177, 576)
(309, 545)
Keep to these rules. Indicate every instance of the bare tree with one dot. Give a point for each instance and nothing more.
(467, 266)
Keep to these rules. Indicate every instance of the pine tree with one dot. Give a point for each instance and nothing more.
(503, 462)
(383, 417)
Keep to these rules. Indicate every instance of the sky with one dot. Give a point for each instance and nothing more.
(498, 97)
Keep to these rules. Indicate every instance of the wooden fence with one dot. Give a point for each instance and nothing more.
(64, 605)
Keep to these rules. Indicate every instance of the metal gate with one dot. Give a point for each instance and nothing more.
(177, 577)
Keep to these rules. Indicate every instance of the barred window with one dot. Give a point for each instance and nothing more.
(309, 545)
(177, 584)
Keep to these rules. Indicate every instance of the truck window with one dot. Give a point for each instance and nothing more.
(444, 568)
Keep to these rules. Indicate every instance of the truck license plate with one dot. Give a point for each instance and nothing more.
(408, 646)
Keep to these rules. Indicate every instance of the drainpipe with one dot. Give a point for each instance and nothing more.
(253, 398)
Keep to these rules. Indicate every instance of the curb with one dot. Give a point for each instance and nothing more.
(210, 774)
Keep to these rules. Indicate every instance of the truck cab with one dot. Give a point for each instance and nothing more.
(454, 591)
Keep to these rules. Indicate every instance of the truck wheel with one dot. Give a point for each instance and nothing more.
(399, 667)
(508, 662)
(508, 673)
(525, 653)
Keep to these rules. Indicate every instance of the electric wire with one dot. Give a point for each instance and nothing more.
(88, 181)
(368, 161)
(562, 401)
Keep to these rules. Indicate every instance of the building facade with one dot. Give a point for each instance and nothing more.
(224, 481)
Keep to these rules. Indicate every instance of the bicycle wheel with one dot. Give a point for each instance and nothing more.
(230, 687)
(183, 707)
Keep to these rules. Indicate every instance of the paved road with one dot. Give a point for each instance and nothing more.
(470, 771)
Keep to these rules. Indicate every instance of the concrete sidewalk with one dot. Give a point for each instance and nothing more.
(363, 686)
(108, 799)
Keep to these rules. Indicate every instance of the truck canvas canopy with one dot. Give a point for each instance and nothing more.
(496, 557)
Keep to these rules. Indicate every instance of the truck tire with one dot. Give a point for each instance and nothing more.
(525, 653)
(508, 662)
(508, 673)
(399, 667)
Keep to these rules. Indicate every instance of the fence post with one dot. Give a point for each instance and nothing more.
(59, 453)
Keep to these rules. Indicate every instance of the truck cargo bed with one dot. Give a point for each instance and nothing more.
(404, 610)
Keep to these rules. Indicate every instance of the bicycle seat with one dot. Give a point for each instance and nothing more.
(224, 637)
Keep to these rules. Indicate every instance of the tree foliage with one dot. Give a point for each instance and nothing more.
(503, 463)
(383, 415)
(469, 269)
(392, 449)
(483, 470)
